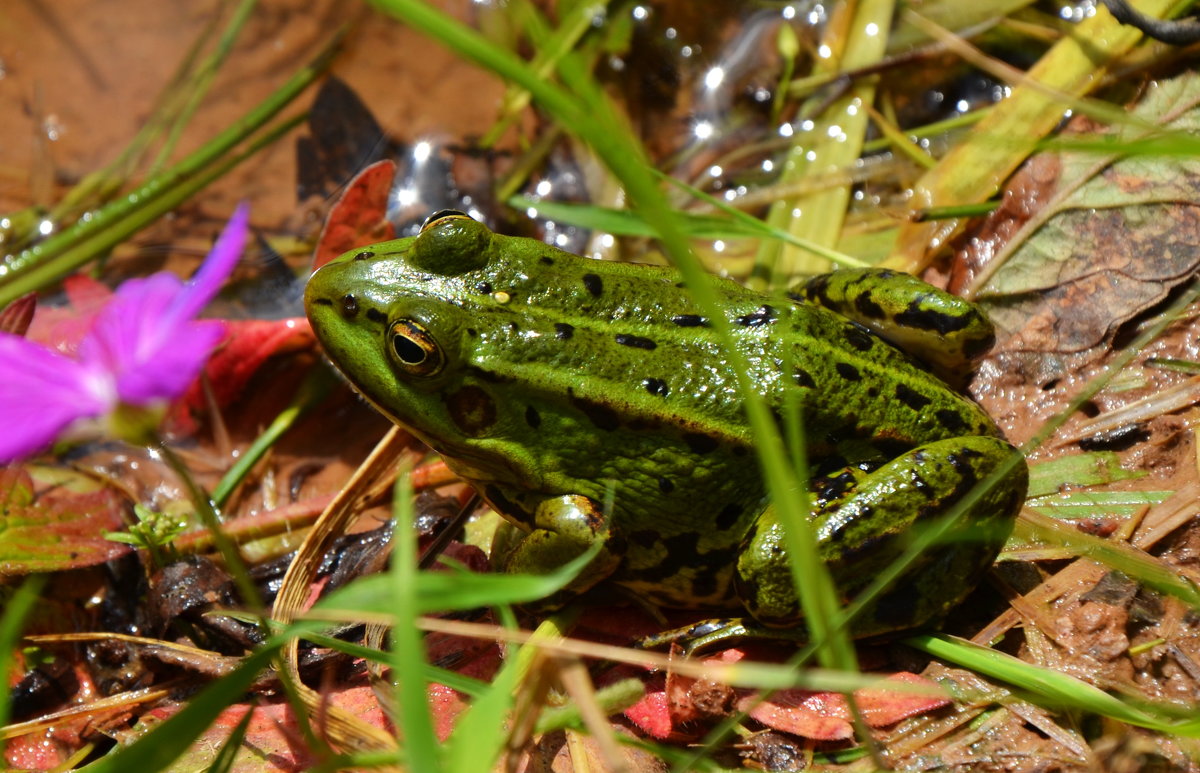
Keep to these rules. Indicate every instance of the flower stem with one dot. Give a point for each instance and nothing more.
(225, 546)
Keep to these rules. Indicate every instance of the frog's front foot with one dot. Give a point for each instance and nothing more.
(564, 528)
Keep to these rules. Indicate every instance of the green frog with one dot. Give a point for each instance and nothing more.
(591, 404)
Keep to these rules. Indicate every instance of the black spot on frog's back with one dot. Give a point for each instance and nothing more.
(689, 320)
(636, 342)
(847, 371)
(911, 397)
(644, 538)
(656, 387)
(763, 316)
(976, 347)
(951, 420)
(859, 338)
(866, 306)
(728, 517)
(593, 284)
(890, 447)
(916, 316)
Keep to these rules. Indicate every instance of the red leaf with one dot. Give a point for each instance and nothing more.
(274, 740)
(684, 707)
(471, 657)
(825, 716)
(822, 716)
(677, 701)
(885, 707)
(651, 714)
(246, 346)
(359, 217)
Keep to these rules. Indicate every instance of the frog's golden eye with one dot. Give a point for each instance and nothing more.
(414, 349)
(440, 215)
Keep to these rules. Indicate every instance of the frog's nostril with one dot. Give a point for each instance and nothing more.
(349, 306)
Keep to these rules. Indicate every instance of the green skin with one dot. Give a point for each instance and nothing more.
(554, 384)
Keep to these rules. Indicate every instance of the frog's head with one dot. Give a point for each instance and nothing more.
(407, 322)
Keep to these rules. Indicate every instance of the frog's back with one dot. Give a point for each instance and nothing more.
(628, 343)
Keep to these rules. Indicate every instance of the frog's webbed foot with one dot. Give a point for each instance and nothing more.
(564, 528)
(721, 633)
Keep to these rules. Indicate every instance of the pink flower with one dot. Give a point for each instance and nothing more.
(143, 348)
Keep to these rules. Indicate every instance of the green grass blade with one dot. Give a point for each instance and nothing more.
(552, 47)
(622, 222)
(765, 230)
(66, 251)
(311, 393)
(408, 658)
(16, 611)
(203, 79)
(227, 754)
(1146, 569)
(1090, 468)
(449, 591)
(1052, 687)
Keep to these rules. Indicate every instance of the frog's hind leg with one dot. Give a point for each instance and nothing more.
(875, 521)
(943, 330)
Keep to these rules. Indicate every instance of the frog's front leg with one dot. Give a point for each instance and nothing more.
(862, 532)
(565, 527)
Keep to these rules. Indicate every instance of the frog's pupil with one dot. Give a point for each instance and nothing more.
(408, 350)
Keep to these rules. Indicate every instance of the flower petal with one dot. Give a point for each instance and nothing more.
(174, 365)
(217, 267)
(41, 393)
(129, 332)
(147, 337)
